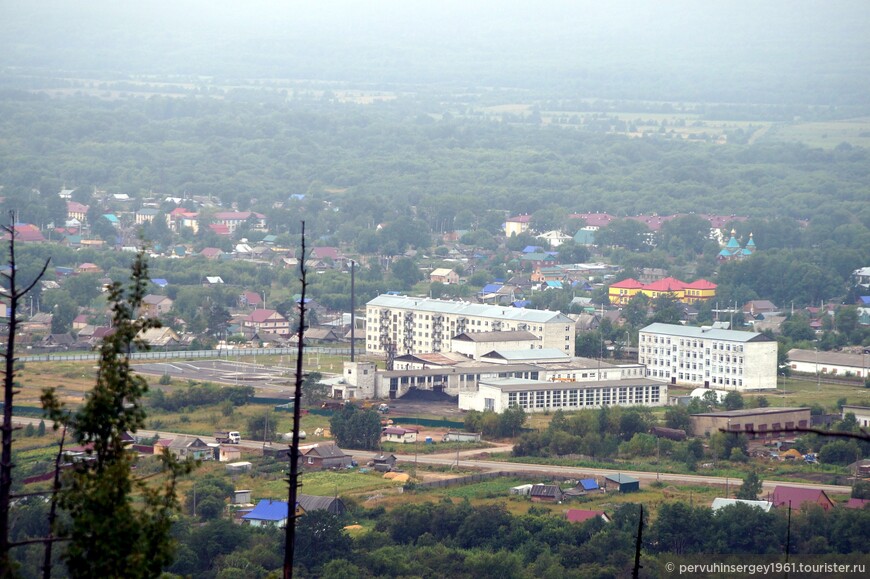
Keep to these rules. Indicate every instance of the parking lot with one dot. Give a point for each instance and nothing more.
(273, 379)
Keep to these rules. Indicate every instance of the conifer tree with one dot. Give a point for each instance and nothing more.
(119, 525)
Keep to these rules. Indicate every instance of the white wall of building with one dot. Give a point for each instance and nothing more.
(714, 358)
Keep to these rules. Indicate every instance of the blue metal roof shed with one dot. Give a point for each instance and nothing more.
(589, 484)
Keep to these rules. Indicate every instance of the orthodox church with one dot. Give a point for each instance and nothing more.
(733, 251)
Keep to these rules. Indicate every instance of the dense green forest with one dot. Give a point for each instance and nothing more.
(448, 539)
(360, 165)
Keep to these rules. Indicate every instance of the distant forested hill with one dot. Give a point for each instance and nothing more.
(372, 161)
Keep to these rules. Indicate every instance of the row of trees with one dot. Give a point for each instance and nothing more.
(450, 539)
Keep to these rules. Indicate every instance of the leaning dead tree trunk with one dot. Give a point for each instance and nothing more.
(15, 295)
(290, 531)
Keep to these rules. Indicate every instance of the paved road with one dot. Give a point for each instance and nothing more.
(448, 459)
(465, 460)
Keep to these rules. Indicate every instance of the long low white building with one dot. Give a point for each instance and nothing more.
(829, 363)
(499, 394)
(442, 373)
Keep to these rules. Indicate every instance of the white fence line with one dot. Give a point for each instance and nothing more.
(189, 354)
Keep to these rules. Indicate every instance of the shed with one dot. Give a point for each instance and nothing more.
(720, 503)
(588, 484)
(457, 436)
(545, 493)
(384, 462)
(311, 503)
(238, 467)
(522, 490)
(241, 497)
(228, 453)
(621, 483)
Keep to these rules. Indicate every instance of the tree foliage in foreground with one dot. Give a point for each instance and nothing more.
(356, 428)
(119, 526)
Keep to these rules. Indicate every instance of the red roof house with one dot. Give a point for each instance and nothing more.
(580, 515)
(857, 503)
(332, 253)
(26, 232)
(666, 285)
(267, 321)
(796, 497)
(219, 229)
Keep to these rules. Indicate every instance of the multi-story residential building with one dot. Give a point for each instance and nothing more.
(408, 325)
(621, 292)
(517, 224)
(233, 219)
(76, 210)
(708, 357)
(146, 214)
(181, 217)
(155, 305)
(266, 321)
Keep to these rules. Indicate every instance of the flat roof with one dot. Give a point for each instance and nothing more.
(837, 358)
(707, 333)
(548, 354)
(751, 412)
(523, 385)
(497, 336)
(474, 369)
(468, 309)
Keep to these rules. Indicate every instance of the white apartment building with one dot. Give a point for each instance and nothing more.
(708, 357)
(420, 325)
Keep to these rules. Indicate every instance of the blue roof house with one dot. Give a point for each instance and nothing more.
(267, 513)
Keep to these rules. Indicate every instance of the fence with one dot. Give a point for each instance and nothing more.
(431, 422)
(24, 410)
(190, 354)
(480, 477)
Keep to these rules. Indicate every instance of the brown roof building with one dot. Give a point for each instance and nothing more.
(752, 421)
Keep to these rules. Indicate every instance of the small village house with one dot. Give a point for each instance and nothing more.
(399, 434)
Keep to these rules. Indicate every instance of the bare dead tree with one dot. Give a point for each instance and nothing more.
(635, 572)
(290, 530)
(15, 294)
(52, 512)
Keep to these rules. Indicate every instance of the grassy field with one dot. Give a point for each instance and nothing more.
(806, 393)
(826, 134)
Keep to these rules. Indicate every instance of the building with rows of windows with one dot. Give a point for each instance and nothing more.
(708, 357)
(408, 325)
(499, 394)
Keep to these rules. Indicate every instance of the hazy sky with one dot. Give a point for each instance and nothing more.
(444, 41)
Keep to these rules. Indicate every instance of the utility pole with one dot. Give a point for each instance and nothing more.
(352, 308)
